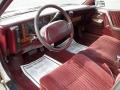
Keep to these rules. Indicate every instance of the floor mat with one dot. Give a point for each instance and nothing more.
(39, 68)
(74, 47)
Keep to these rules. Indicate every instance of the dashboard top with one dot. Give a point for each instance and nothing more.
(12, 20)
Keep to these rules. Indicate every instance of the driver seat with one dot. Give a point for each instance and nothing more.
(78, 73)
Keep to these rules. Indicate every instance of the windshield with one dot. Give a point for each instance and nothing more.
(17, 5)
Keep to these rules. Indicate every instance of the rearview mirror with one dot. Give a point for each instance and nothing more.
(99, 3)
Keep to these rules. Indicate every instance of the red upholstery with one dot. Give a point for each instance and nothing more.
(82, 73)
(104, 50)
(79, 73)
(115, 16)
(107, 46)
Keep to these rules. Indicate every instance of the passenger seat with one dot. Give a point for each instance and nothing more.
(85, 70)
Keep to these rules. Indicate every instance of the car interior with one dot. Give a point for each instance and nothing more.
(74, 47)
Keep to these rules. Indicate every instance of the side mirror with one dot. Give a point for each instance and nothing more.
(99, 3)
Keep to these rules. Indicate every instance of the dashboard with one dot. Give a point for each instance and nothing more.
(24, 36)
(20, 33)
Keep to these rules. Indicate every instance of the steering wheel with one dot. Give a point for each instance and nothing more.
(54, 31)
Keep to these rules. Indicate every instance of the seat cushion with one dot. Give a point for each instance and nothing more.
(79, 73)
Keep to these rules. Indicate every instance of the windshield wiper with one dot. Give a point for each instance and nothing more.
(69, 4)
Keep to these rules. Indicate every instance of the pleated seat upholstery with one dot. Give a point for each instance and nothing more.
(79, 73)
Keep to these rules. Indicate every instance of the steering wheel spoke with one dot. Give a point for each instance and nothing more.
(54, 17)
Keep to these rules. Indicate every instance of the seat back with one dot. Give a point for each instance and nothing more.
(105, 50)
(107, 46)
